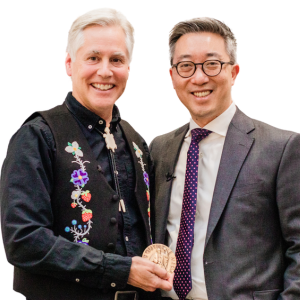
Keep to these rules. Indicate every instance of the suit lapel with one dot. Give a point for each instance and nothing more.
(236, 148)
(169, 161)
(173, 147)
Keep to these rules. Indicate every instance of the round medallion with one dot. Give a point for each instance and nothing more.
(161, 255)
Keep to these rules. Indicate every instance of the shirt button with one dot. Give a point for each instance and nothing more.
(90, 127)
(201, 154)
(116, 172)
(100, 122)
(113, 220)
(111, 246)
(126, 238)
(77, 280)
(115, 197)
(113, 284)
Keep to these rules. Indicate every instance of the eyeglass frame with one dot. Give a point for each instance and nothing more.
(221, 62)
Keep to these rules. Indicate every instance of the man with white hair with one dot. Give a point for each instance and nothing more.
(75, 190)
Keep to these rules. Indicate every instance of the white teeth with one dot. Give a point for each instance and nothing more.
(202, 94)
(102, 87)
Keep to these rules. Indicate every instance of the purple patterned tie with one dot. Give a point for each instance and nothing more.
(185, 241)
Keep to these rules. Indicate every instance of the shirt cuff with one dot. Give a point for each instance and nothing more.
(116, 273)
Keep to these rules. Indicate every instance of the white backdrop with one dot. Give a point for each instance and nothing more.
(33, 41)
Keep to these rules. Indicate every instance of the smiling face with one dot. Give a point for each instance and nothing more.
(100, 70)
(205, 97)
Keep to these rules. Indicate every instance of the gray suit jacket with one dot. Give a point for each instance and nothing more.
(252, 247)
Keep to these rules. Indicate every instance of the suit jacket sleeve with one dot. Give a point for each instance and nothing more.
(26, 216)
(288, 201)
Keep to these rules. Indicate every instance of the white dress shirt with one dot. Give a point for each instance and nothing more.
(210, 151)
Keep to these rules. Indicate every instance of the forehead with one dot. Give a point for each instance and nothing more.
(200, 45)
(104, 38)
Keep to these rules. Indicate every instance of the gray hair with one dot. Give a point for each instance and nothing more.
(102, 17)
(203, 25)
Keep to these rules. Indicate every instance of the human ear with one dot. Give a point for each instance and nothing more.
(171, 74)
(68, 64)
(234, 72)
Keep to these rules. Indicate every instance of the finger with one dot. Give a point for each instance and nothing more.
(160, 272)
(165, 285)
(171, 278)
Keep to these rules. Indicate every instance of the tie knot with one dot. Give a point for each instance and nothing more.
(198, 134)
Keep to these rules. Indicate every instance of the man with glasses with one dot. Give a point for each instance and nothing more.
(227, 186)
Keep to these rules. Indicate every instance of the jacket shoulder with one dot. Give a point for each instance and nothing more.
(260, 130)
(161, 140)
(272, 134)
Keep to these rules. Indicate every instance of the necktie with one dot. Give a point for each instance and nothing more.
(185, 241)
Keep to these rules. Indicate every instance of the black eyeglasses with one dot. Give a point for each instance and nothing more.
(210, 67)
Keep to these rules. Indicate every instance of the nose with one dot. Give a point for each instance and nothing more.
(104, 70)
(199, 76)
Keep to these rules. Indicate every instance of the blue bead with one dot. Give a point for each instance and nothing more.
(79, 226)
(84, 226)
(67, 229)
(74, 222)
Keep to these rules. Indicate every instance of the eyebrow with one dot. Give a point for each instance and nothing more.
(209, 54)
(184, 56)
(121, 54)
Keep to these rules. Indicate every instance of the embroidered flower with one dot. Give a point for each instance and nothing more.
(74, 149)
(75, 194)
(146, 178)
(138, 151)
(148, 195)
(79, 177)
(84, 241)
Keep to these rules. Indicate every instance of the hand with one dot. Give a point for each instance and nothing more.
(148, 276)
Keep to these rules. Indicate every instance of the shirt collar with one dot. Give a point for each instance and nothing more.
(89, 119)
(218, 125)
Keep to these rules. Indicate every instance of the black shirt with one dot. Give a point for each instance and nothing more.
(27, 177)
(92, 126)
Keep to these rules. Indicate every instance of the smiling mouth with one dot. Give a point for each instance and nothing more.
(102, 87)
(202, 94)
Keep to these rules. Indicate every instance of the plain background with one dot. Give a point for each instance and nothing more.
(33, 41)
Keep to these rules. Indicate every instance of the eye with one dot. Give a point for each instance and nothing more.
(93, 58)
(185, 66)
(117, 61)
(212, 63)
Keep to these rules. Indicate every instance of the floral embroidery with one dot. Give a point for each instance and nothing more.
(80, 178)
(74, 149)
(139, 155)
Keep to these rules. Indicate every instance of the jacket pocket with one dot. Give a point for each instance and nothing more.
(240, 190)
(266, 295)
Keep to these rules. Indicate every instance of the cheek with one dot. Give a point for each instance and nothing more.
(121, 76)
(179, 85)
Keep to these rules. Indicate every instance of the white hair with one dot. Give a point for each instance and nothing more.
(102, 17)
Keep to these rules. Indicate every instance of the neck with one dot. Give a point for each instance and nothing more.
(104, 112)
(203, 120)
(106, 117)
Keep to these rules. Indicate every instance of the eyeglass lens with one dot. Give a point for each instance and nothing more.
(210, 68)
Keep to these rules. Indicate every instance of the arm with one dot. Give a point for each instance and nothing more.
(27, 221)
(288, 201)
